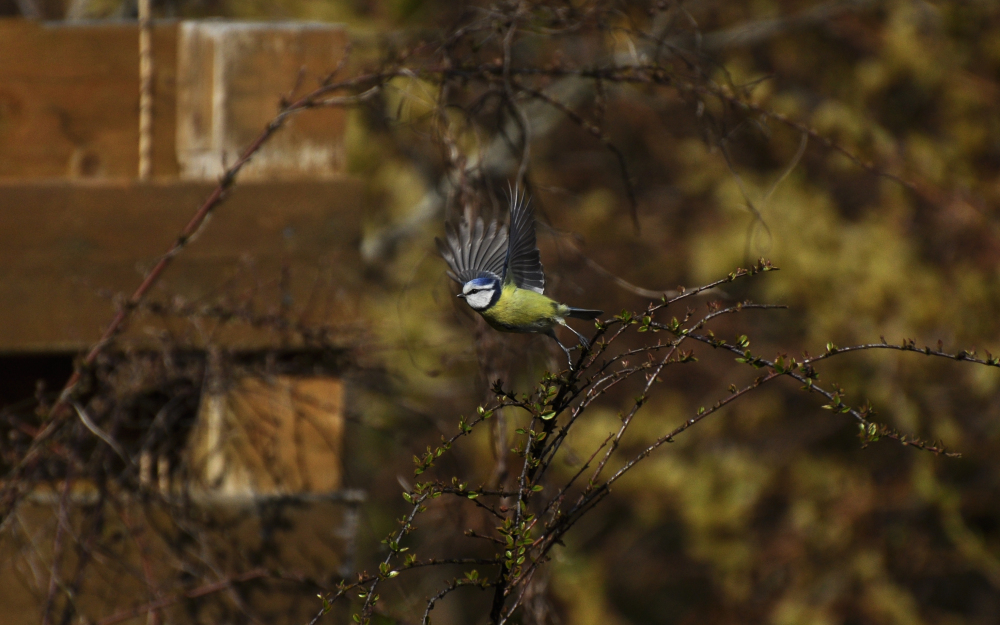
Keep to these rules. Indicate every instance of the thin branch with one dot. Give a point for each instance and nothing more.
(194, 593)
(101, 434)
(792, 371)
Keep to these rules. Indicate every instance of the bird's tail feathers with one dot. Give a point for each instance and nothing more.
(583, 313)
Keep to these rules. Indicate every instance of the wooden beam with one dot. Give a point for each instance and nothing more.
(277, 436)
(69, 99)
(66, 247)
(231, 78)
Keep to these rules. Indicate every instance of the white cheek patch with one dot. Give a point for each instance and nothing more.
(480, 300)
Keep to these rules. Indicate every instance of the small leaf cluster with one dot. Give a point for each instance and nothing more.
(517, 539)
(426, 461)
(837, 404)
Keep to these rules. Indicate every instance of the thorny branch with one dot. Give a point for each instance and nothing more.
(536, 523)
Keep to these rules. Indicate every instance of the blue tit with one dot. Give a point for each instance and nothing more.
(501, 276)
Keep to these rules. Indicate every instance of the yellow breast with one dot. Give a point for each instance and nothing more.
(523, 310)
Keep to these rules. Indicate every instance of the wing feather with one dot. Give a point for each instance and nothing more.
(479, 245)
(495, 253)
(475, 241)
(523, 265)
(473, 252)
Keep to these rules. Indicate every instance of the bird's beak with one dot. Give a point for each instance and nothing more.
(462, 295)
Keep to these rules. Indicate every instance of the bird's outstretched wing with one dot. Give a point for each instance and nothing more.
(474, 252)
(523, 266)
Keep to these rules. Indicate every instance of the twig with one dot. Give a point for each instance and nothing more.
(201, 591)
(62, 522)
(101, 434)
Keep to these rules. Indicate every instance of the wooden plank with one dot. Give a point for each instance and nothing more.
(64, 246)
(274, 436)
(231, 78)
(69, 99)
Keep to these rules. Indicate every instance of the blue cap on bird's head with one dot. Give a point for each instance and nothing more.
(482, 282)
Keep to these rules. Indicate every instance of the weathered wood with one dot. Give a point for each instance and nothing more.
(274, 436)
(65, 247)
(231, 77)
(69, 100)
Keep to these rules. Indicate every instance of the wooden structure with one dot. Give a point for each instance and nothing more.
(78, 230)
(76, 225)
(69, 99)
(268, 436)
(67, 247)
(222, 101)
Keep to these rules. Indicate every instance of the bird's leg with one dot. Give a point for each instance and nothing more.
(552, 334)
(583, 341)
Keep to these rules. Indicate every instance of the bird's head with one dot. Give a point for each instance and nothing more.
(481, 293)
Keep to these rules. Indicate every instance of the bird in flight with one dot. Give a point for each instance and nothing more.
(502, 278)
